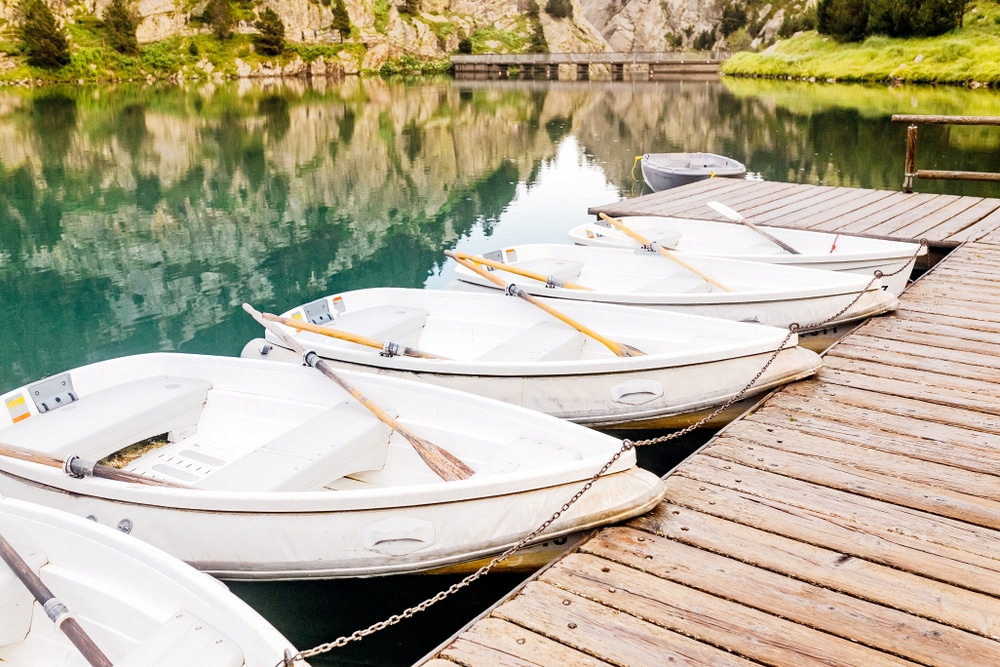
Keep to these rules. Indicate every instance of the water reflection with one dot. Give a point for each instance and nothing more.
(138, 218)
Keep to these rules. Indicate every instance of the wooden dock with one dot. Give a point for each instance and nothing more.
(852, 520)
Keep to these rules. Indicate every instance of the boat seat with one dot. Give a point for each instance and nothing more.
(562, 269)
(677, 284)
(398, 324)
(16, 600)
(185, 640)
(545, 341)
(343, 440)
(98, 424)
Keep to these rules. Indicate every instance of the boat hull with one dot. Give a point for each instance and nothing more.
(663, 171)
(291, 515)
(651, 398)
(508, 350)
(122, 592)
(817, 250)
(295, 544)
(822, 305)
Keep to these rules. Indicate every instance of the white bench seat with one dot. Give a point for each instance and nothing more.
(101, 423)
(676, 285)
(185, 640)
(344, 439)
(566, 270)
(545, 341)
(398, 324)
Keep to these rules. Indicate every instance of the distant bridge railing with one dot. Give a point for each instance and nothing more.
(909, 169)
(549, 65)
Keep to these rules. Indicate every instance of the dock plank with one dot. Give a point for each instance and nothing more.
(818, 606)
(591, 627)
(851, 518)
(709, 618)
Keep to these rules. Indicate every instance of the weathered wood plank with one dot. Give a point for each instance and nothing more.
(896, 414)
(842, 213)
(796, 599)
(876, 480)
(879, 544)
(978, 546)
(837, 567)
(926, 215)
(931, 387)
(708, 618)
(957, 215)
(985, 227)
(491, 642)
(926, 334)
(792, 211)
(757, 200)
(887, 456)
(917, 356)
(885, 209)
(594, 628)
(696, 204)
(951, 315)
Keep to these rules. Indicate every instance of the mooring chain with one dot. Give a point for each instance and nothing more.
(793, 328)
(289, 660)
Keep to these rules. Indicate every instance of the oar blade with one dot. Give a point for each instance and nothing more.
(445, 465)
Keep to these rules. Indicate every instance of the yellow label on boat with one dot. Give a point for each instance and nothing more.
(18, 408)
(510, 256)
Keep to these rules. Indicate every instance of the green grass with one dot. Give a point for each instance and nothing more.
(966, 55)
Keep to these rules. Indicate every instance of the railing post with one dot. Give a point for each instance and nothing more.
(909, 167)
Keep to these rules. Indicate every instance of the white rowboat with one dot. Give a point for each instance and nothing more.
(509, 350)
(760, 293)
(662, 171)
(279, 473)
(136, 604)
(818, 250)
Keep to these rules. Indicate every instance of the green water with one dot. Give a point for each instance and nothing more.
(139, 218)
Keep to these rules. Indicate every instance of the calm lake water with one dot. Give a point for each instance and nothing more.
(138, 218)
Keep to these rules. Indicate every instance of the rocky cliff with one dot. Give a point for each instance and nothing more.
(392, 28)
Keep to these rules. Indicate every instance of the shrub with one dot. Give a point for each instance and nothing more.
(734, 17)
(271, 39)
(704, 41)
(559, 9)
(44, 40)
(120, 21)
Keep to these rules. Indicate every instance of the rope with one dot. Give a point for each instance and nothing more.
(626, 445)
(635, 162)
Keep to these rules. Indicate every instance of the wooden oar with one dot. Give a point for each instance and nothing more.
(445, 465)
(389, 349)
(621, 349)
(540, 277)
(55, 609)
(663, 251)
(74, 466)
(733, 215)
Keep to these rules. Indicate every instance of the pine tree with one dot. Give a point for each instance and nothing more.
(45, 43)
(219, 15)
(121, 20)
(271, 40)
(341, 19)
(844, 20)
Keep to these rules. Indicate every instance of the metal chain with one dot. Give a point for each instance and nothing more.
(793, 328)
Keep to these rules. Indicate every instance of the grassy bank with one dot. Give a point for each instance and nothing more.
(969, 55)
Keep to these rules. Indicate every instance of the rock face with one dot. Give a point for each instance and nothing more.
(434, 29)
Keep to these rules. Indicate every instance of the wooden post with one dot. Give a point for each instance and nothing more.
(909, 167)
